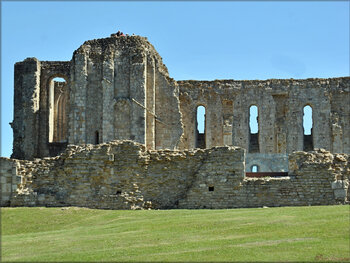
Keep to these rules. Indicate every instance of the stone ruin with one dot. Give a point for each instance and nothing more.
(119, 133)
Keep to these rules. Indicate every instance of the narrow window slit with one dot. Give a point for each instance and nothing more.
(253, 129)
(308, 144)
(97, 137)
(200, 127)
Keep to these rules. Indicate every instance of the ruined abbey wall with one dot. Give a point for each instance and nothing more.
(280, 113)
(119, 88)
(124, 175)
(128, 135)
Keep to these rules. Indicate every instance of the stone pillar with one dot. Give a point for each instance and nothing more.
(108, 98)
(280, 131)
(8, 178)
(345, 119)
(295, 134)
(138, 98)
(121, 97)
(227, 121)
(340, 117)
(337, 135)
(27, 100)
(266, 121)
(150, 105)
(213, 119)
(321, 130)
(241, 122)
(78, 101)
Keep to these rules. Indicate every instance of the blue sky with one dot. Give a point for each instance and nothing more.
(197, 40)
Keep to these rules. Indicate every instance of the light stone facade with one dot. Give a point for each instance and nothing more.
(118, 96)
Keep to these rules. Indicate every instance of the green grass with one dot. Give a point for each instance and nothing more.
(262, 234)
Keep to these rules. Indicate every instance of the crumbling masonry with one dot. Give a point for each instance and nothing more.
(119, 133)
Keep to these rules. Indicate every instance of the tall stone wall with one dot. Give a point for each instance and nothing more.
(26, 109)
(124, 175)
(280, 113)
(121, 90)
(33, 106)
(116, 88)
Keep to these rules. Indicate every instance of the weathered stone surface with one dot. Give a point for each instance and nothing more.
(118, 88)
(280, 105)
(124, 175)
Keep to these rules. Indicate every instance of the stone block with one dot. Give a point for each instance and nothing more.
(340, 193)
(340, 184)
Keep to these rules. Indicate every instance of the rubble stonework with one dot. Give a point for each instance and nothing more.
(124, 175)
(120, 133)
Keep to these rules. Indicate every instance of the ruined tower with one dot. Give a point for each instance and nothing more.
(116, 88)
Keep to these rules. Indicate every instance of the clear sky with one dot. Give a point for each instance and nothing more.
(197, 40)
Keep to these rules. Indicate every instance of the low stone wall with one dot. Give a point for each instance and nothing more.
(321, 176)
(119, 175)
(315, 178)
(9, 179)
(123, 175)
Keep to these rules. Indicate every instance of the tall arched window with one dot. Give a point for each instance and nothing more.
(200, 127)
(253, 129)
(58, 96)
(307, 128)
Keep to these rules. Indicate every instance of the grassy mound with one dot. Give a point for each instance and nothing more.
(261, 234)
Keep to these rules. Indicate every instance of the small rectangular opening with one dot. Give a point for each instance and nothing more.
(211, 188)
(97, 137)
(254, 143)
(308, 143)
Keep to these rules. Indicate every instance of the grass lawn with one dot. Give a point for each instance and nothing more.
(319, 233)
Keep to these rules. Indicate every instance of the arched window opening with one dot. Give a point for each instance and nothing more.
(253, 129)
(254, 168)
(97, 137)
(200, 127)
(307, 128)
(58, 100)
